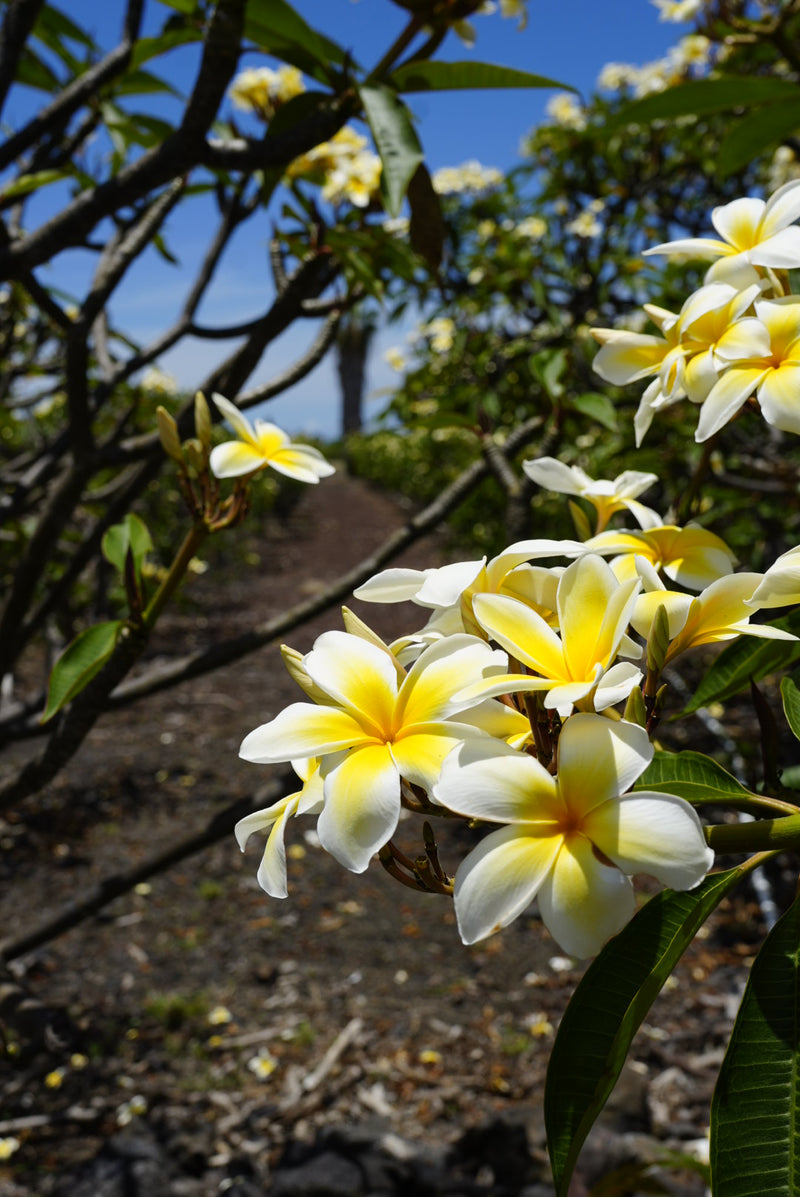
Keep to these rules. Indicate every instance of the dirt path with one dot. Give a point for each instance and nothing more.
(239, 1023)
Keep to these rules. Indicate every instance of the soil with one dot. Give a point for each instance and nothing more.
(230, 1027)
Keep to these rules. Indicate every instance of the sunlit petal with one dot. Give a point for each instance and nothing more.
(236, 418)
(443, 587)
(583, 902)
(302, 729)
(499, 878)
(726, 397)
(301, 462)
(392, 586)
(615, 685)
(691, 247)
(783, 208)
(492, 781)
(658, 834)
(233, 459)
(358, 675)
(781, 252)
(522, 632)
(599, 759)
(362, 806)
(779, 396)
(419, 752)
(444, 669)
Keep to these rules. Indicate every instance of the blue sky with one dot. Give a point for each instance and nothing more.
(569, 40)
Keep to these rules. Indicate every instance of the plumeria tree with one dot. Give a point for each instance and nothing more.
(527, 698)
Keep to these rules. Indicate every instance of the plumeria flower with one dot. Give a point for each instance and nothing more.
(594, 610)
(309, 800)
(752, 232)
(606, 497)
(263, 445)
(705, 336)
(572, 840)
(721, 612)
(373, 730)
(770, 370)
(691, 556)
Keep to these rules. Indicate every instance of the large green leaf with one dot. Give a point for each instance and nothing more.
(140, 83)
(692, 776)
(397, 142)
(80, 661)
(759, 131)
(755, 1112)
(791, 704)
(608, 1007)
(702, 96)
(467, 76)
(747, 659)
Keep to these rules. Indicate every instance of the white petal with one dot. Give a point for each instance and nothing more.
(444, 669)
(233, 459)
(781, 252)
(779, 397)
(443, 587)
(492, 781)
(599, 759)
(552, 474)
(583, 902)
(615, 685)
(362, 806)
(725, 398)
(692, 247)
(499, 878)
(392, 586)
(658, 834)
(738, 222)
(237, 420)
(356, 674)
(783, 208)
(302, 729)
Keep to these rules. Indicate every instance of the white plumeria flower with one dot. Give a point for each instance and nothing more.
(771, 371)
(307, 801)
(753, 232)
(618, 494)
(594, 610)
(691, 556)
(572, 840)
(373, 731)
(721, 612)
(263, 445)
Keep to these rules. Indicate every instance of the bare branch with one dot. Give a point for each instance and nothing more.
(298, 369)
(19, 20)
(59, 110)
(174, 157)
(223, 653)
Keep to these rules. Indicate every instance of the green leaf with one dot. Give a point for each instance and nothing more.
(53, 21)
(702, 96)
(759, 131)
(32, 71)
(80, 661)
(607, 1009)
(160, 245)
(755, 1111)
(277, 28)
(598, 407)
(141, 83)
(25, 184)
(298, 109)
(397, 142)
(151, 47)
(131, 534)
(466, 76)
(188, 7)
(747, 659)
(791, 705)
(692, 776)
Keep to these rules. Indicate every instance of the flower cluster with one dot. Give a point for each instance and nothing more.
(347, 170)
(736, 340)
(526, 701)
(470, 178)
(262, 91)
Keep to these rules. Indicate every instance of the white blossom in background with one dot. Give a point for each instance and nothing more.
(606, 495)
(567, 111)
(395, 358)
(262, 91)
(158, 382)
(441, 333)
(679, 11)
(469, 178)
(532, 227)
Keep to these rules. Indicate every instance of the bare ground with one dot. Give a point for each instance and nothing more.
(350, 1004)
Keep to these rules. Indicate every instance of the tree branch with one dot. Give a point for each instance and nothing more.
(19, 20)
